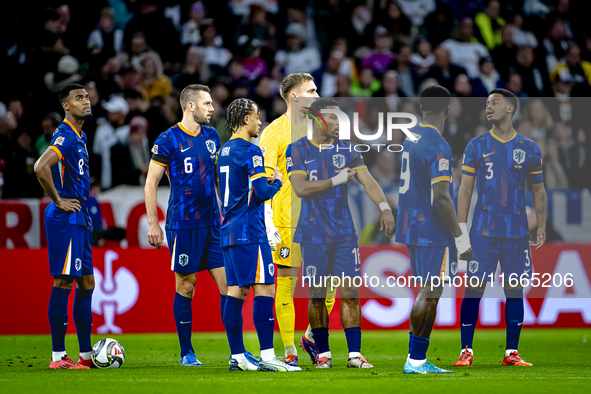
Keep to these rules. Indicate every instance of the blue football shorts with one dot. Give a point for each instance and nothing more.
(513, 254)
(194, 249)
(69, 248)
(248, 265)
(428, 262)
(335, 259)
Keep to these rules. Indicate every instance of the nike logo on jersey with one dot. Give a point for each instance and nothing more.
(285, 304)
(185, 322)
(466, 325)
(182, 150)
(519, 323)
(309, 161)
(488, 154)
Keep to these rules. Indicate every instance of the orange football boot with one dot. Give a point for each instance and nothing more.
(86, 363)
(66, 363)
(514, 359)
(465, 359)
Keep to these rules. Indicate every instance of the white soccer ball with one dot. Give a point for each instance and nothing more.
(108, 353)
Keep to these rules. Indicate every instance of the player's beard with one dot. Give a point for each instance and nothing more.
(200, 118)
(495, 122)
(84, 117)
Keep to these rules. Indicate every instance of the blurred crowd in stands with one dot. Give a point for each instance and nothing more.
(135, 56)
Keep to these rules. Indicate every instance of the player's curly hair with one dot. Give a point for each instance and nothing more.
(510, 96)
(237, 111)
(320, 103)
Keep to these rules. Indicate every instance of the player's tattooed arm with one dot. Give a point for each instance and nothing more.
(447, 211)
(155, 233)
(376, 194)
(43, 171)
(541, 204)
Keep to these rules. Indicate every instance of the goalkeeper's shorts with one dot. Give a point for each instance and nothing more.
(288, 253)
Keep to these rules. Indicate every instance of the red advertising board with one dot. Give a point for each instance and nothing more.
(135, 291)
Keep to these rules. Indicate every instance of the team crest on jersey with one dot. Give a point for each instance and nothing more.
(443, 164)
(473, 266)
(271, 269)
(518, 156)
(183, 260)
(310, 271)
(155, 149)
(210, 146)
(257, 161)
(338, 161)
(454, 267)
(78, 264)
(59, 141)
(226, 151)
(284, 252)
(263, 149)
(289, 162)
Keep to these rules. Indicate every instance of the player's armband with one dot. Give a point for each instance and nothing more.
(467, 170)
(536, 173)
(444, 178)
(358, 164)
(161, 160)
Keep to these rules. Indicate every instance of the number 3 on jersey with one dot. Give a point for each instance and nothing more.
(489, 170)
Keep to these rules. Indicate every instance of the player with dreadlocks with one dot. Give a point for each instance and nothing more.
(244, 188)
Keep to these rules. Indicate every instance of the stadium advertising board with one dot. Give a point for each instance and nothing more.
(133, 293)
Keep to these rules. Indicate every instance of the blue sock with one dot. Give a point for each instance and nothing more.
(222, 304)
(353, 335)
(514, 313)
(320, 335)
(58, 318)
(419, 348)
(469, 316)
(410, 341)
(264, 322)
(183, 317)
(233, 324)
(83, 318)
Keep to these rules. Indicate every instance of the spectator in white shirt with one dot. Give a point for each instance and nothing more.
(297, 58)
(211, 46)
(466, 51)
(417, 10)
(190, 34)
(522, 37)
(110, 132)
(105, 36)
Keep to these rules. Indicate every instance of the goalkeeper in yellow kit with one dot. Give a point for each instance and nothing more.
(281, 213)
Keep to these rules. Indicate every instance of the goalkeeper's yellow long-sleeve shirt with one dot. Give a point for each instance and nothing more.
(274, 142)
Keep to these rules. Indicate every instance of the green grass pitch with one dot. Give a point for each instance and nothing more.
(561, 359)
